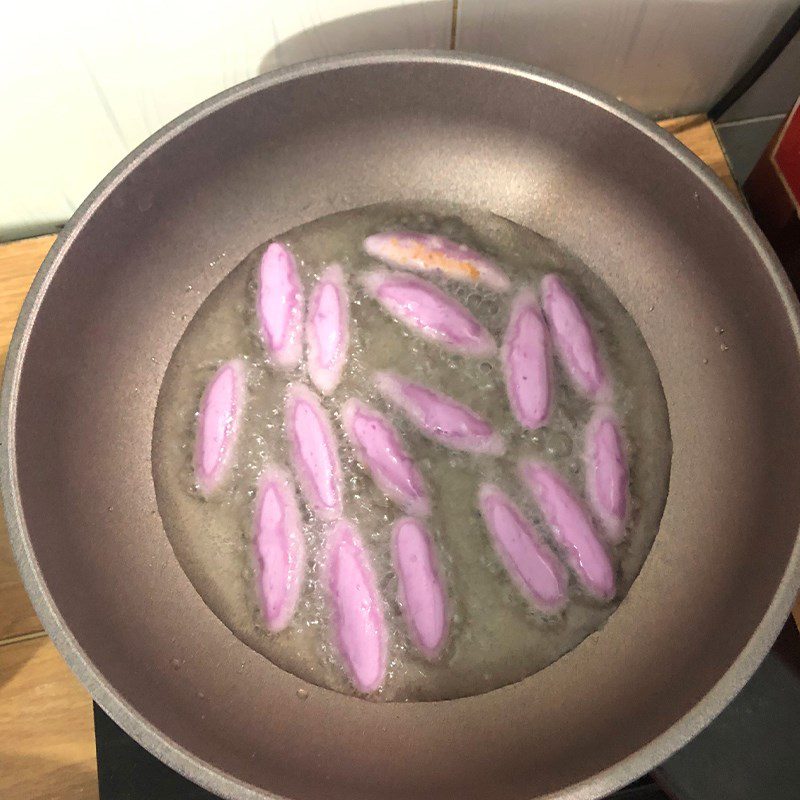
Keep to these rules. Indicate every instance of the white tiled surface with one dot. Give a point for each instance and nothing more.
(662, 56)
(84, 82)
(775, 92)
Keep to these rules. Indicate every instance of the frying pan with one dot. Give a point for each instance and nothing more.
(112, 300)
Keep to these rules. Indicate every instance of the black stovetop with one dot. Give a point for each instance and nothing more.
(750, 752)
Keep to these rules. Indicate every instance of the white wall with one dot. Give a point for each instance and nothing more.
(661, 56)
(83, 82)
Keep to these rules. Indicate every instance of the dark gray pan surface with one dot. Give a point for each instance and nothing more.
(112, 301)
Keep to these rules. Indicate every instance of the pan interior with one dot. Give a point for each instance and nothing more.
(495, 638)
(87, 365)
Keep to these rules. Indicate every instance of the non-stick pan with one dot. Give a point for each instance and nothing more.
(112, 300)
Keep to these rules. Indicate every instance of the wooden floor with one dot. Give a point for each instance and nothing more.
(46, 735)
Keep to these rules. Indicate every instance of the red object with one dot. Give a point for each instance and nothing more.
(773, 194)
(786, 155)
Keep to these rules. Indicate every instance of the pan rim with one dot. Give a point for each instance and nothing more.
(135, 724)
